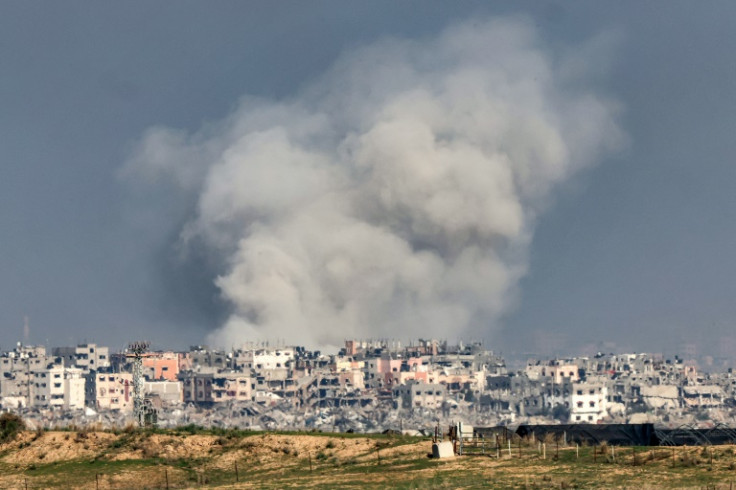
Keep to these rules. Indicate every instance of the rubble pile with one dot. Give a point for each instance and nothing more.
(280, 416)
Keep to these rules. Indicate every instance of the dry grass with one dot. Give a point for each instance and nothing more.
(134, 459)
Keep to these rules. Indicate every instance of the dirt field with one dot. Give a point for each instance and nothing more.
(232, 459)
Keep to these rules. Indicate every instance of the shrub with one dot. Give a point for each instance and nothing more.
(10, 426)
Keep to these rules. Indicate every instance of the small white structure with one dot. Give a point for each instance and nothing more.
(442, 450)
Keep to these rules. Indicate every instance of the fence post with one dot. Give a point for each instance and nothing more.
(310, 462)
(237, 476)
(577, 451)
(166, 473)
(509, 441)
(544, 450)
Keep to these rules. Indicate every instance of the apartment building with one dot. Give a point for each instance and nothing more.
(588, 402)
(59, 387)
(420, 395)
(88, 357)
(108, 390)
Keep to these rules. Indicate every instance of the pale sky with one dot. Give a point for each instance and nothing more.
(633, 254)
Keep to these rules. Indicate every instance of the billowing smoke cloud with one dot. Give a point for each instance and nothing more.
(395, 196)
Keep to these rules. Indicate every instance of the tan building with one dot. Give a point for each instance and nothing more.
(231, 387)
(111, 391)
(420, 395)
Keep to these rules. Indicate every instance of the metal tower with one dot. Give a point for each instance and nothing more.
(136, 352)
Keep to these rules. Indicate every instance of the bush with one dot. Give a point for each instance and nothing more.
(10, 426)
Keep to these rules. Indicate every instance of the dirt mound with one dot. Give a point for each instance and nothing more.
(34, 447)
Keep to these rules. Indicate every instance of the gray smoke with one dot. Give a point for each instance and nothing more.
(396, 195)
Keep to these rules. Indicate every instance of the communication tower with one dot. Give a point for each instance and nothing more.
(136, 351)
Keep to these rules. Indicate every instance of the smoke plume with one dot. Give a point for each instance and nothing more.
(395, 196)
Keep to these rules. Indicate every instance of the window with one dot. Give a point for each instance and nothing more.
(592, 404)
(580, 404)
(580, 392)
(577, 417)
(592, 392)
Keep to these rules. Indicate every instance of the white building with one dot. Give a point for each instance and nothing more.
(588, 402)
(59, 387)
(263, 359)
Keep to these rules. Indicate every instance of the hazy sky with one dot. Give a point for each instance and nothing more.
(634, 253)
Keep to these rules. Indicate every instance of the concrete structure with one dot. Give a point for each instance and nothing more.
(420, 395)
(442, 450)
(231, 387)
(263, 359)
(59, 387)
(169, 392)
(111, 391)
(588, 402)
(88, 357)
(161, 365)
(197, 386)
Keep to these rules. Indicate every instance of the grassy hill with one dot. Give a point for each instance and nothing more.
(190, 457)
